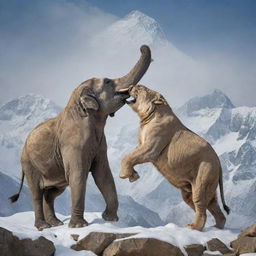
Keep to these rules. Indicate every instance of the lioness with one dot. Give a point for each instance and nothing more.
(183, 157)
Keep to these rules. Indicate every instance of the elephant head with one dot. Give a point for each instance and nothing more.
(104, 95)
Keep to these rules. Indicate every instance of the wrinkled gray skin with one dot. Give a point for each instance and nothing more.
(61, 151)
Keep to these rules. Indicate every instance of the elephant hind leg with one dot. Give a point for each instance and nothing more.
(218, 215)
(48, 206)
(34, 179)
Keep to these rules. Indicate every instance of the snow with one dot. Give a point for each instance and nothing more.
(228, 143)
(213, 252)
(17, 118)
(137, 25)
(22, 225)
(202, 119)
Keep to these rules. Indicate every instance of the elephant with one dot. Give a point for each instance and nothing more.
(184, 158)
(61, 151)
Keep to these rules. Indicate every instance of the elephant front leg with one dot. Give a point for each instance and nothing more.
(76, 170)
(141, 154)
(104, 180)
(78, 188)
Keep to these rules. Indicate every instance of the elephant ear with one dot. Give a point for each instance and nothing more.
(88, 101)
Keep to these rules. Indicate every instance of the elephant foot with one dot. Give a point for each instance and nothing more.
(109, 216)
(194, 227)
(54, 222)
(77, 223)
(41, 224)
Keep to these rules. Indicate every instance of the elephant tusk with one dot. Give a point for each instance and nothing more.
(123, 90)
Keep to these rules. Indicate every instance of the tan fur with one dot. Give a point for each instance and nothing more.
(63, 150)
(185, 159)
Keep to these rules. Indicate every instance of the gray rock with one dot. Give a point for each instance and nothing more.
(11, 245)
(195, 249)
(97, 241)
(220, 127)
(216, 99)
(141, 247)
(216, 245)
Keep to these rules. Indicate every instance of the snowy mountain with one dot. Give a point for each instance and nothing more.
(17, 118)
(137, 25)
(121, 41)
(214, 100)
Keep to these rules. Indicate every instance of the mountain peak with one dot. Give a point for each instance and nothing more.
(138, 26)
(216, 99)
(25, 105)
(142, 17)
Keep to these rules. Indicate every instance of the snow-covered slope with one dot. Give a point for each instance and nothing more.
(137, 25)
(9, 187)
(17, 118)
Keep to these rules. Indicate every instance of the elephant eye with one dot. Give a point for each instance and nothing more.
(108, 81)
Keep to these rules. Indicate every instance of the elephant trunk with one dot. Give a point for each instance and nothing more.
(134, 76)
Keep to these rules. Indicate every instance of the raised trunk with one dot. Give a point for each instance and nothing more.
(134, 76)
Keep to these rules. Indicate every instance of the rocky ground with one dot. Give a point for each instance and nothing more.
(19, 237)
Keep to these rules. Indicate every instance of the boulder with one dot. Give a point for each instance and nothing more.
(141, 247)
(250, 231)
(11, 245)
(244, 245)
(97, 241)
(195, 249)
(38, 247)
(216, 245)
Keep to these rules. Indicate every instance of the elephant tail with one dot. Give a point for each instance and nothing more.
(226, 208)
(15, 197)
